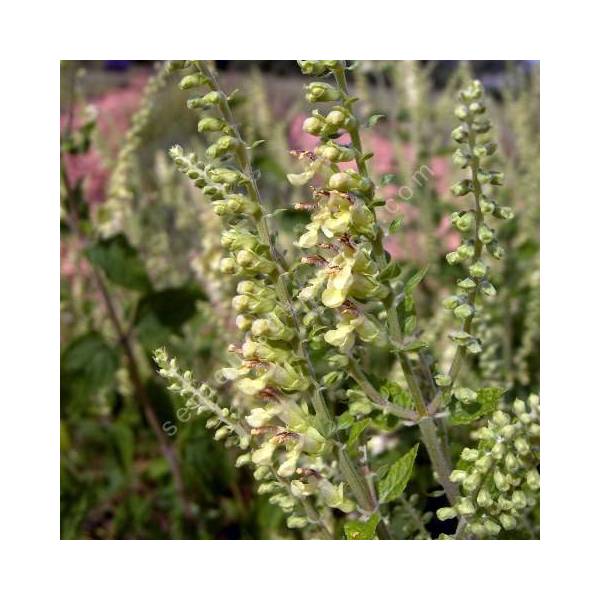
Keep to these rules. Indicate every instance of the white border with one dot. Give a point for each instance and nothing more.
(37, 36)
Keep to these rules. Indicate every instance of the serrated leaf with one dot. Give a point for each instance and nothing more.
(91, 361)
(396, 224)
(487, 401)
(160, 314)
(415, 279)
(362, 530)
(120, 262)
(374, 119)
(398, 476)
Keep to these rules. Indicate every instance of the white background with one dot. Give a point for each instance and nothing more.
(34, 562)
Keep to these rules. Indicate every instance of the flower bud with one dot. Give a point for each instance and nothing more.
(465, 507)
(484, 463)
(192, 81)
(500, 481)
(469, 454)
(465, 222)
(462, 187)
(465, 395)
(467, 284)
(314, 68)
(521, 446)
(313, 125)
(483, 150)
(476, 108)
(221, 433)
(487, 288)
(458, 476)
(507, 521)
(445, 513)
(471, 482)
(461, 158)
(211, 124)
(484, 498)
(451, 302)
(318, 91)
(464, 311)
(487, 206)
(491, 526)
(227, 266)
(461, 112)
(498, 450)
(296, 522)
(242, 460)
(341, 182)
(460, 134)
(453, 258)
(485, 234)
(478, 270)
(466, 250)
(504, 212)
(519, 407)
(500, 418)
(481, 125)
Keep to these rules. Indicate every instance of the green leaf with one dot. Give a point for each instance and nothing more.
(410, 324)
(396, 224)
(487, 401)
(398, 476)
(120, 262)
(344, 421)
(414, 346)
(393, 392)
(356, 432)
(374, 119)
(389, 178)
(161, 314)
(91, 361)
(362, 530)
(415, 279)
(391, 271)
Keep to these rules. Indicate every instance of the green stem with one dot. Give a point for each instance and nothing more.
(356, 481)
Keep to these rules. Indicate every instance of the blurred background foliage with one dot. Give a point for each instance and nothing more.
(133, 464)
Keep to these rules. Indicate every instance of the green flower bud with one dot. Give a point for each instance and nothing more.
(476, 528)
(469, 454)
(484, 463)
(318, 91)
(242, 460)
(507, 521)
(491, 526)
(481, 125)
(497, 178)
(467, 284)
(484, 498)
(192, 81)
(451, 302)
(461, 112)
(453, 258)
(314, 68)
(227, 266)
(471, 482)
(460, 134)
(500, 418)
(487, 206)
(445, 513)
(465, 507)
(222, 146)
(461, 158)
(498, 450)
(462, 187)
(341, 182)
(474, 347)
(336, 153)
(465, 395)
(521, 446)
(485, 234)
(476, 108)
(465, 222)
(486, 288)
(313, 125)
(466, 250)
(483, 150)
(478, 270)
(222, 433)
(519, 500)
(458, 476)
(534, 430)
(296, 522)
(503, 212)
(500, 481)
(211, 124)
(464, 311)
